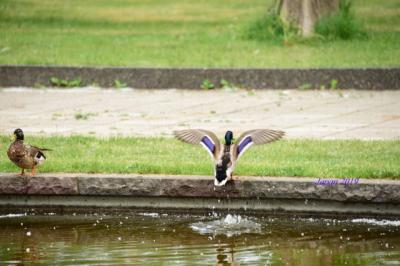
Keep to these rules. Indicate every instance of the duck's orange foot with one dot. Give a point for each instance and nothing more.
(31, 174)
(22, 173)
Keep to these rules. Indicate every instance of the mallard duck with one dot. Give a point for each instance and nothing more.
(225, 156)
(24, 155)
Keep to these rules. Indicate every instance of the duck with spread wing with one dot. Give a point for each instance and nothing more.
(225, 156)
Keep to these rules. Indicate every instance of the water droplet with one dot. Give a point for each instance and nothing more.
(28, 250)
(119, 238)
(302, 234)
(387, 245)
(28, 233)
(121, 222)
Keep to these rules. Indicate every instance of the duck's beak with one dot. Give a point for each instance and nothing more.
(13, 137)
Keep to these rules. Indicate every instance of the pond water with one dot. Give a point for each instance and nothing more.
(142, 238)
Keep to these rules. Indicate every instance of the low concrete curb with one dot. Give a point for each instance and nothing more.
(266, 194)
(192, 78)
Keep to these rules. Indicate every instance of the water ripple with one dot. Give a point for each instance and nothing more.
(231, 225)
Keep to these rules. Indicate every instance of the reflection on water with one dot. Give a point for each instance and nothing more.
(172, 239)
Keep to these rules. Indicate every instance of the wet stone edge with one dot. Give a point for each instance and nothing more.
(364, 191)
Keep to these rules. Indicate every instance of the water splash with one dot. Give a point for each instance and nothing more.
(377, 222)
(150, 214)
(11, 215)
(231, 225)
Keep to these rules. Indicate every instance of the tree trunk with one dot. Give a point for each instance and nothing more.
(305, 13)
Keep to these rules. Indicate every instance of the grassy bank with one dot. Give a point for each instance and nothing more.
(314, 158)
(180, 33)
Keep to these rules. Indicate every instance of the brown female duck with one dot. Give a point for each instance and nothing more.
(24, 155)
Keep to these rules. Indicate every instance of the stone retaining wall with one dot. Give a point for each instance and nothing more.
(277, 194)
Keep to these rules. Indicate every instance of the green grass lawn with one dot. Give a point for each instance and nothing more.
(179, 33)
(313, 158)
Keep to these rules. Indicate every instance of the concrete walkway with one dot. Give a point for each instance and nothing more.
(107, 112)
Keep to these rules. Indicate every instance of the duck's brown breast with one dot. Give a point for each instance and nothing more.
(19, 155)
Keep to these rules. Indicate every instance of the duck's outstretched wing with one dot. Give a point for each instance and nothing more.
(203, 137)
(255, 136)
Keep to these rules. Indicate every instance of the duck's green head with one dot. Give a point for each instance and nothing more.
(228, 137)
(17, 135)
